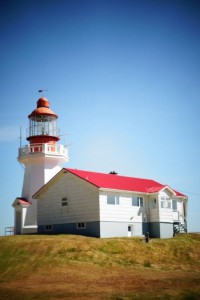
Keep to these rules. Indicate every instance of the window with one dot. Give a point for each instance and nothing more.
(81, 225)
(174, 205)
(153, 203)
(64, 202)
(112, 199)
(141, 201)
(137, 201)
(165, 202)
(48, 227)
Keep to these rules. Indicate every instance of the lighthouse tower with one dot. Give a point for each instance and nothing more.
(42, 159)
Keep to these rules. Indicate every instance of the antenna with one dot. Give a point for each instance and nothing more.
(20, 138)
(20, 145)
(42, 91)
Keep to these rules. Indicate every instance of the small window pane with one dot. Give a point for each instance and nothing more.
(135, 201)
(111, 199)
(165, 202)
(153, 203)
(48, 227)
(64, 202)
(117, 200)
(174, 205)
(81, 225)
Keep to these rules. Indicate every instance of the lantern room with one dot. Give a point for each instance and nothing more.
(42, 124)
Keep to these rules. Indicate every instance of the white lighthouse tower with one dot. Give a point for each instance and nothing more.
(42, 159)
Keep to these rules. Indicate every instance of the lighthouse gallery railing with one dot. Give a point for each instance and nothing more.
(43, 148)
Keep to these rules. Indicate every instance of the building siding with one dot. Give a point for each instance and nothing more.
(83, 202)
(88, 204)
(91, 229)
(120, 229)
(124, 212)
(160, 230)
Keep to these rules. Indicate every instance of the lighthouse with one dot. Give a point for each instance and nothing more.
(42, 159)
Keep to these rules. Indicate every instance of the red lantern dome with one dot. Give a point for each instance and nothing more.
(43, 124)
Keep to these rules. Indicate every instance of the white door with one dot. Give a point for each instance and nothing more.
(130, 230)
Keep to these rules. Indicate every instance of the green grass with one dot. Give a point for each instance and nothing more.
(53, 266)
(181, 252)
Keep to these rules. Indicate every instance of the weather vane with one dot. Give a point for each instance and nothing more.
(42, 91)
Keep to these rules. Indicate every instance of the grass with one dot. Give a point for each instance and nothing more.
(77, 267)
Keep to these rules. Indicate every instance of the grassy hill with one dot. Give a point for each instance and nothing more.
(77, 267)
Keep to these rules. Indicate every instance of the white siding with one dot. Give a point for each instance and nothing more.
(166, 214)
(83, 204)
(161, 214)
(124, 212)
(153, 211)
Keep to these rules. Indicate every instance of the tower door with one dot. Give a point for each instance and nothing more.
(18, 222)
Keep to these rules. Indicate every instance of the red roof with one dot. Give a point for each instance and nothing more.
(43, 109)
(118, 182)
(23, 201)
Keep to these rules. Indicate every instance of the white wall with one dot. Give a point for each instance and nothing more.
(83, 204)
(166, 214)
(39, 169)
(124, 212)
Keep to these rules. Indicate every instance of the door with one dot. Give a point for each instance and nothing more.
(130, 230)
(18, 222)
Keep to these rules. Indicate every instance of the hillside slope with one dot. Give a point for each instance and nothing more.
(77, 267)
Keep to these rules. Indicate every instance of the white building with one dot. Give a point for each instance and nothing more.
(109, 205)
(41, 159)
(56, 200)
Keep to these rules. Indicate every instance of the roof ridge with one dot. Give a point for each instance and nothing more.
(116, 175)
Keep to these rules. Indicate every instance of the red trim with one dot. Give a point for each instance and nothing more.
(23, 201)
(42, 139)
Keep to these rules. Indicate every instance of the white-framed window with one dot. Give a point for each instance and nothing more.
(174, 205)
(113, 199)
(153, 203)
(165, 202)
(137, 201)
(64, 201)
(48, 227)
(81, 225)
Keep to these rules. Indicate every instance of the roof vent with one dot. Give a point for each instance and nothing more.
(113, 173)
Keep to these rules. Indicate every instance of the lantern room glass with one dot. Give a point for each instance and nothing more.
(43, 125)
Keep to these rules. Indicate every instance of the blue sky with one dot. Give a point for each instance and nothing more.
(124, 78)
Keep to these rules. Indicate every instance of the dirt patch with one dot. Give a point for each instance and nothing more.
(79, 281)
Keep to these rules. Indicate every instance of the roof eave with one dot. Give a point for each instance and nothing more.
(123, 191)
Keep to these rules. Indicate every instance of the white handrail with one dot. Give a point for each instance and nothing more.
(184, 219)
(43, 148)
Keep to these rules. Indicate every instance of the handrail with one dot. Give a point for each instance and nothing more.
(53, 149)
(10, 230)
(182, 216)
(184, 219)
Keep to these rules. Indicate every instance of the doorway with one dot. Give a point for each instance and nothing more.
(130, 230)
(18, 222)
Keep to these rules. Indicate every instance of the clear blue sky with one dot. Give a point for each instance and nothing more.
(124, 78)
